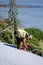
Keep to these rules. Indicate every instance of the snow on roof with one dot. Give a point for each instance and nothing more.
(13, 56)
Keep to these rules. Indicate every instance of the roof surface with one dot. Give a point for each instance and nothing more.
(12, 56)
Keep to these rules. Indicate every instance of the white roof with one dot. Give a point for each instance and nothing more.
(13, 56)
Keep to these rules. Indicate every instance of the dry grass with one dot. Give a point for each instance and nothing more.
(41, 44)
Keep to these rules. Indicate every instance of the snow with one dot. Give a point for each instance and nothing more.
(12, 56)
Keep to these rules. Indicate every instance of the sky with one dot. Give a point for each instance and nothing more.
(28, 1)
(4, 1)
(22, 1)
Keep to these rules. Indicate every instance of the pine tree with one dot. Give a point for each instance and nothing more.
(13, 16)
(13, 13)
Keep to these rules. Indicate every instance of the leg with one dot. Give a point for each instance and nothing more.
(17, 42)
(21, 45)
(17, 46)
(24, 42)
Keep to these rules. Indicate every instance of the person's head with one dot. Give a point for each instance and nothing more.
(28, 36)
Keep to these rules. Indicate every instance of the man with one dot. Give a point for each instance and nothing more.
(21, 37)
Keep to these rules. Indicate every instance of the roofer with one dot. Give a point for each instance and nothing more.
(21, 37)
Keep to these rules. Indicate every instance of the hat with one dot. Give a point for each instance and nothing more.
(31, 36)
